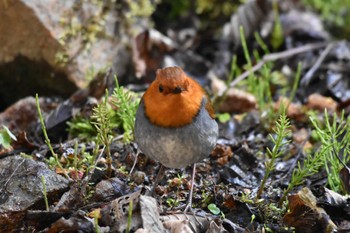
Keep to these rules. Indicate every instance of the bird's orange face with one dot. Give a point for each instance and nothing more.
(173, 99)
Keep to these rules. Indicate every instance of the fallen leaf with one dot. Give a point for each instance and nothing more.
(305, 216)
(319, 102)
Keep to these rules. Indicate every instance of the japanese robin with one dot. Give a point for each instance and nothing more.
(175, 122)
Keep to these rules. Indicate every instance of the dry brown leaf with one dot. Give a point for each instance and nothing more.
(295, 111)
(178, 226)
(115, 213)
(305, 216)
(222, 153)
(235, 100)
(238, 101)
(319, 102)
(141, 230)
(196, 223)
(144, 48)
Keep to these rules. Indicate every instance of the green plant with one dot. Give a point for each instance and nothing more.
(223, 117)
(246, 198)
(251, 77)
(126, 105)
(261, 43)
(309, 167)
(216, 210)
(172, 202)
(101, 119)
(332, 12)
(122, 115)
(85, 30)
(252, 218)
(75, 161)
(82, 128)
(129, 216)
(215, 8)
(6, 136)
(206, 197)
(261, 83)
(176, 182)
(277, 32)
(335, 139)
(271, 212)
(334, 136)
(97, 229)
(47, 140)
(282, 131)
(45, 193)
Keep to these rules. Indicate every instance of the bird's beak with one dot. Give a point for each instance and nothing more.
(177, 90)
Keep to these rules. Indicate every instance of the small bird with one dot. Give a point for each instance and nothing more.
(175, 122)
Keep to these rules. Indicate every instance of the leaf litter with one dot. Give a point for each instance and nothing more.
(229, 177)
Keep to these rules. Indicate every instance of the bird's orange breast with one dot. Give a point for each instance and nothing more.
(174, 110)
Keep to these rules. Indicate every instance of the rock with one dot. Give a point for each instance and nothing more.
(21, 188)
(22, 114)
(31, 43)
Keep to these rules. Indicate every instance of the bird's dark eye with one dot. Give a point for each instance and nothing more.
(161, 88)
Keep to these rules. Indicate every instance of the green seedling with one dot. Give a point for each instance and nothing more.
(101, 119)
(47, 140)
(126, 105)
(6, 137)
(216, 210)
(45, 193)
(282, 131)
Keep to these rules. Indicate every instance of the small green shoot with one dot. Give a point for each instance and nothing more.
(277, 32)
(75, 160)
(251, 77)
(97, 229)
(215, 210)
(334, 139)
(310, 166)
(282, 131)
(172, 202)
(206, 197)
(45, 193)
(82, 128)
(129, 216)
(261, 43)
(295, 83)
(47, 140)
(6, 137)
(224, 117)
(334, 135)
(126, 110)
(252, 218)
(101, 119)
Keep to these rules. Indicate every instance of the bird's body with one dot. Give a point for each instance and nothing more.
(177, 147)
(175, 122)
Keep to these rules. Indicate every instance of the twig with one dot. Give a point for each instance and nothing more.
(275, 56)
(309, 74)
